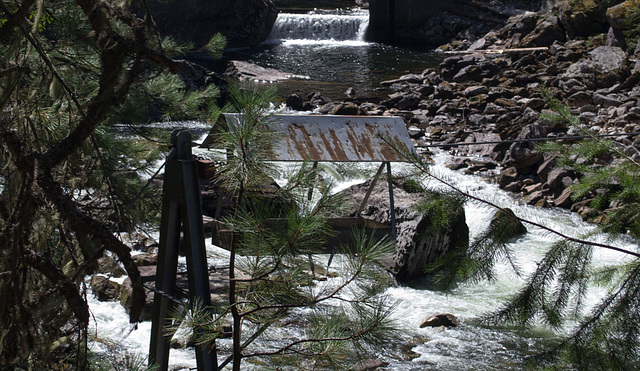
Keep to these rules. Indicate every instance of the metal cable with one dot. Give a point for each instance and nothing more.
(523, 140)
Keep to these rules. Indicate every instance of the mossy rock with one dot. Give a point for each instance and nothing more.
(583, 18)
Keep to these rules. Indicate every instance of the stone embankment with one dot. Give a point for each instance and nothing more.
(491, 90)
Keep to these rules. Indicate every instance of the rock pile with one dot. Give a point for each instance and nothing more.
(490, 90)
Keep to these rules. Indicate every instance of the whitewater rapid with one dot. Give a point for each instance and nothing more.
(469, 347)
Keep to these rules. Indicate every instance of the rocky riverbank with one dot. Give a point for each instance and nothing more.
(490, 90)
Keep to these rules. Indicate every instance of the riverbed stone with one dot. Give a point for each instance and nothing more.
(441, 319)
(474, 90)
(564, 200)
(547, 31)
(318, 98)
(605, 66)
(105, 289)
(414, 247)
(368, 365)
(560, 177)
(583, 18)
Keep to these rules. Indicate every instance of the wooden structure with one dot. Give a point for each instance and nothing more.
(304, 138)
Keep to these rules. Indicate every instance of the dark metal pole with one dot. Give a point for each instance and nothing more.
(193, 226)
(167, 265)
(391, 203)
(182, 207)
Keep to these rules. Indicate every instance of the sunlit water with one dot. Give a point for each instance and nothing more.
(469, 347)
(335, 62)
(329, 47)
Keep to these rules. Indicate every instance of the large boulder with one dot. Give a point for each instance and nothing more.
(442, 319)
(416, 243)
(523, 154)
(583, 18)
(618, 15)
(547, 31)
(242, 22)
(606, 66)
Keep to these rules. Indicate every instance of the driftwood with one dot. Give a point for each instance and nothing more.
(499, 51)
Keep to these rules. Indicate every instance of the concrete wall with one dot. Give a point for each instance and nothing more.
(433, 23)
(243, 22)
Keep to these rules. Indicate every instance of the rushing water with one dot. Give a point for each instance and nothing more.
(335, 62)
(329, 47)
(469, 347)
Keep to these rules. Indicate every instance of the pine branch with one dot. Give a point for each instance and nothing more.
(61, 281)
(14, 20)
(85, 225)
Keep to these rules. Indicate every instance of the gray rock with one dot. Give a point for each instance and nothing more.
(242, 70)
(615, 37)
(579, 99)
(513, 187)
(104, 289)
(564, 200)
(318, 99)
(329, 108)
(521, 24)
(472, 91)
(346, 108)
(297, 103)
(606, 101)
(548, 31)
(368, 365)
(469, 73)
(560, 177)
(490, 150)
(582, 18)
(523, 154)
(507, 176)
(442, 319)
(546, 167)
(605, 66)
(414, 248)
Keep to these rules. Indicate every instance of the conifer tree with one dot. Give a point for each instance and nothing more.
(269, 272)
(76, 79)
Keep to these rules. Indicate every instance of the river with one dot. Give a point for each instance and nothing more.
(468, 347)
(336, 63)
(329, 47)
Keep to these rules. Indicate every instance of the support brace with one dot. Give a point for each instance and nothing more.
(181, 212)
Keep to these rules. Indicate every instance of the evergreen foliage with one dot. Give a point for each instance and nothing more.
(271, 279)
(78, 80)
(555, 293)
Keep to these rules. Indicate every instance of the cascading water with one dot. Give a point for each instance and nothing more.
(468, 347)
(329, 46)
(320, 27)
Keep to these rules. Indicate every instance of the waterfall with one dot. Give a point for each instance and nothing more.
(321, 26)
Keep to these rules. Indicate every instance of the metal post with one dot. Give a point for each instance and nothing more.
(167, 265)
(193, 226)
(391, 203)
(373, 184)
(182, 206)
